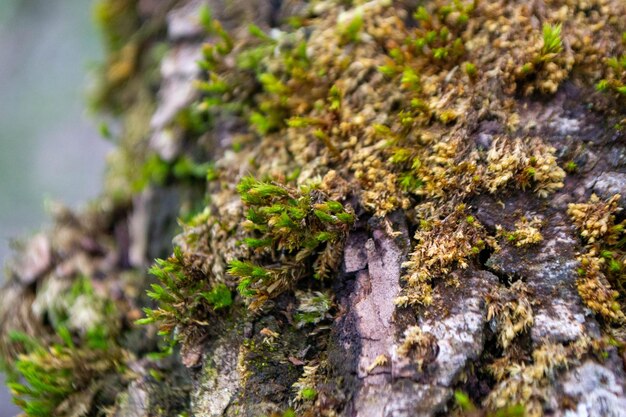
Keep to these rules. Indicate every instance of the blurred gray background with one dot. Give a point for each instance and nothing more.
(49, 147)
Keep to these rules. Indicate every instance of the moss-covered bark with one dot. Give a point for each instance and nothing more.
(384, 208)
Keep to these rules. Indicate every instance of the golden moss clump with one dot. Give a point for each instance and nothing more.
(595, 290)
(418, 346)
(596, 219)
(537, 56)
(379, 361)
(543, 60)
(511, 310)
(526, 162)
(530, 381)
(381, 193)
(602, 262)
(527, 383)
(441, 246)
(447, 168)
(527, 231)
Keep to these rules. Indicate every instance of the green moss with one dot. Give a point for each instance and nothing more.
(301, 224)
(46, 374)
(470, 69)
(156, 171)
(308, 394)
(571, 167)
(463, 401)
(552, 42)
(349, 31)
(181, 299)
(616, 81)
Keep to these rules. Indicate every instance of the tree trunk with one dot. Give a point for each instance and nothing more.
(461, 251)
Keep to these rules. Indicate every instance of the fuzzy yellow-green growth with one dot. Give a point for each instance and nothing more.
(437, 167)
(386, 108)
(383, 106)
(381, 188)
(234, 75)
(350, 27)
(118, 21)
(299, 227)
(184, 297)
(125, 87)
(441, 246)
(596, 219)
(391, 110)
(437, 36)
(131, 54)
(59, 372)
(545, 63)
(594, 288)
(529, 163)
(527, 231)
(418, 346)
(156, 171)
(524, 383)
(512, 312)
(602, 266)
(528, 383)
(289, 98)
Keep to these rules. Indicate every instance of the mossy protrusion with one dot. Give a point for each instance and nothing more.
(301, 227)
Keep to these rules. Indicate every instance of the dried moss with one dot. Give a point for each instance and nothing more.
(602, 262)
(441, 246)
(527, 232)
(529, 382)
(511, 310)
(419, 346)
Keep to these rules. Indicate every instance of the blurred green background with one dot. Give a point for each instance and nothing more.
(49, 147)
